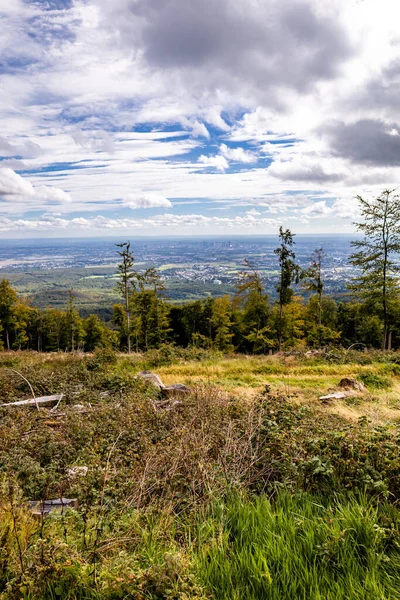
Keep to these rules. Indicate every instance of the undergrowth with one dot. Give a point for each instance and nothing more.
(298, 547)
(222, 496)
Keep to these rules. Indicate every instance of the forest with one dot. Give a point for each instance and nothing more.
(247, 322)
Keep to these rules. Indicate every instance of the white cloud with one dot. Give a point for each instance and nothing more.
(146, 201)
(19, 188)
(346, 208)
(52, 194)
(199, 130)
(304, 169)
(12, 184)
(237, 154)
(194, 222)
(218, 162)
(213, 116)
(317, 210)
(149, 83)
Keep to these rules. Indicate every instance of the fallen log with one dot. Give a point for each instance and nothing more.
(176, 389)
(35, 402)
(42, 508)
(336, 396)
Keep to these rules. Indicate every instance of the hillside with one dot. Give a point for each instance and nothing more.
(247, 487)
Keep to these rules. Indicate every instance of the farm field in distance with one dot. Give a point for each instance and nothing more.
(192, 268)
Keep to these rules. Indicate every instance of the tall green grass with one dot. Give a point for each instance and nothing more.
(297, 549)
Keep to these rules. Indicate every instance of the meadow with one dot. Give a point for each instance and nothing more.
(247, 487)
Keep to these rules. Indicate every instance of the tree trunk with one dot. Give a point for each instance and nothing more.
(389, 344)
(128, 326)
(280, 326)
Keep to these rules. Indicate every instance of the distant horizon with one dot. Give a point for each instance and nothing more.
(183, 236)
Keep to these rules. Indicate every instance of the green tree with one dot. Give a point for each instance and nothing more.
(158, 313)
(289, 273)
(8, 300)
(251, 297)
(192, 320)
(222, 323)
(97, 334)
(312, 279)
(21, 317)
(51, 328)
(119, 320)
(377, 257)
(73, 330)
(321, 321)
(293, 324)
(125, 284)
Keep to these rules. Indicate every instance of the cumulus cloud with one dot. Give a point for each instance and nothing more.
(108, 97)
(168, 222)
(302, 169)
(199, 130)
(235, 155)
(345, 208)
(317, 210)
(14, 186)
(218, 162)
(146, 201)
(204, 40)
(238, 154)
(213, 116)
(367, 141)
(99, 141)
(52, 194)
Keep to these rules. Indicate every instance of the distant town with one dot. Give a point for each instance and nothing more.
(44, 270)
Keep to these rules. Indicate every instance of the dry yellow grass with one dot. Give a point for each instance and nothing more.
(304, 383)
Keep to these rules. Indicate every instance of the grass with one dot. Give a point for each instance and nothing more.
(297, 548)
(235, 493)
(294, 377)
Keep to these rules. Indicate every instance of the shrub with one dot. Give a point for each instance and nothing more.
(372, 380)
(101, 357)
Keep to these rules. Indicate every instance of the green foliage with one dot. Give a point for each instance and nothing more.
(254, 325)
(289, 270)
(376, 256)
(222, 324)
(174, 503)
(97, 335)
(8, 300)
(102, 357)
(298, 547)
(289, 273)
(372, 380)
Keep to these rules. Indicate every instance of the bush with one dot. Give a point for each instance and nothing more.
(101, 357)
(372, 380)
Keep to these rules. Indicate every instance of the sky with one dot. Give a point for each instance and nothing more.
(193, 117)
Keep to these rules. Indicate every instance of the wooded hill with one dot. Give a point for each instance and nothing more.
(246, 322)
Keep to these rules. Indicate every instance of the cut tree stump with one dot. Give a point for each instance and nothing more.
(171, 393)
(150, 377)
(352, 384)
